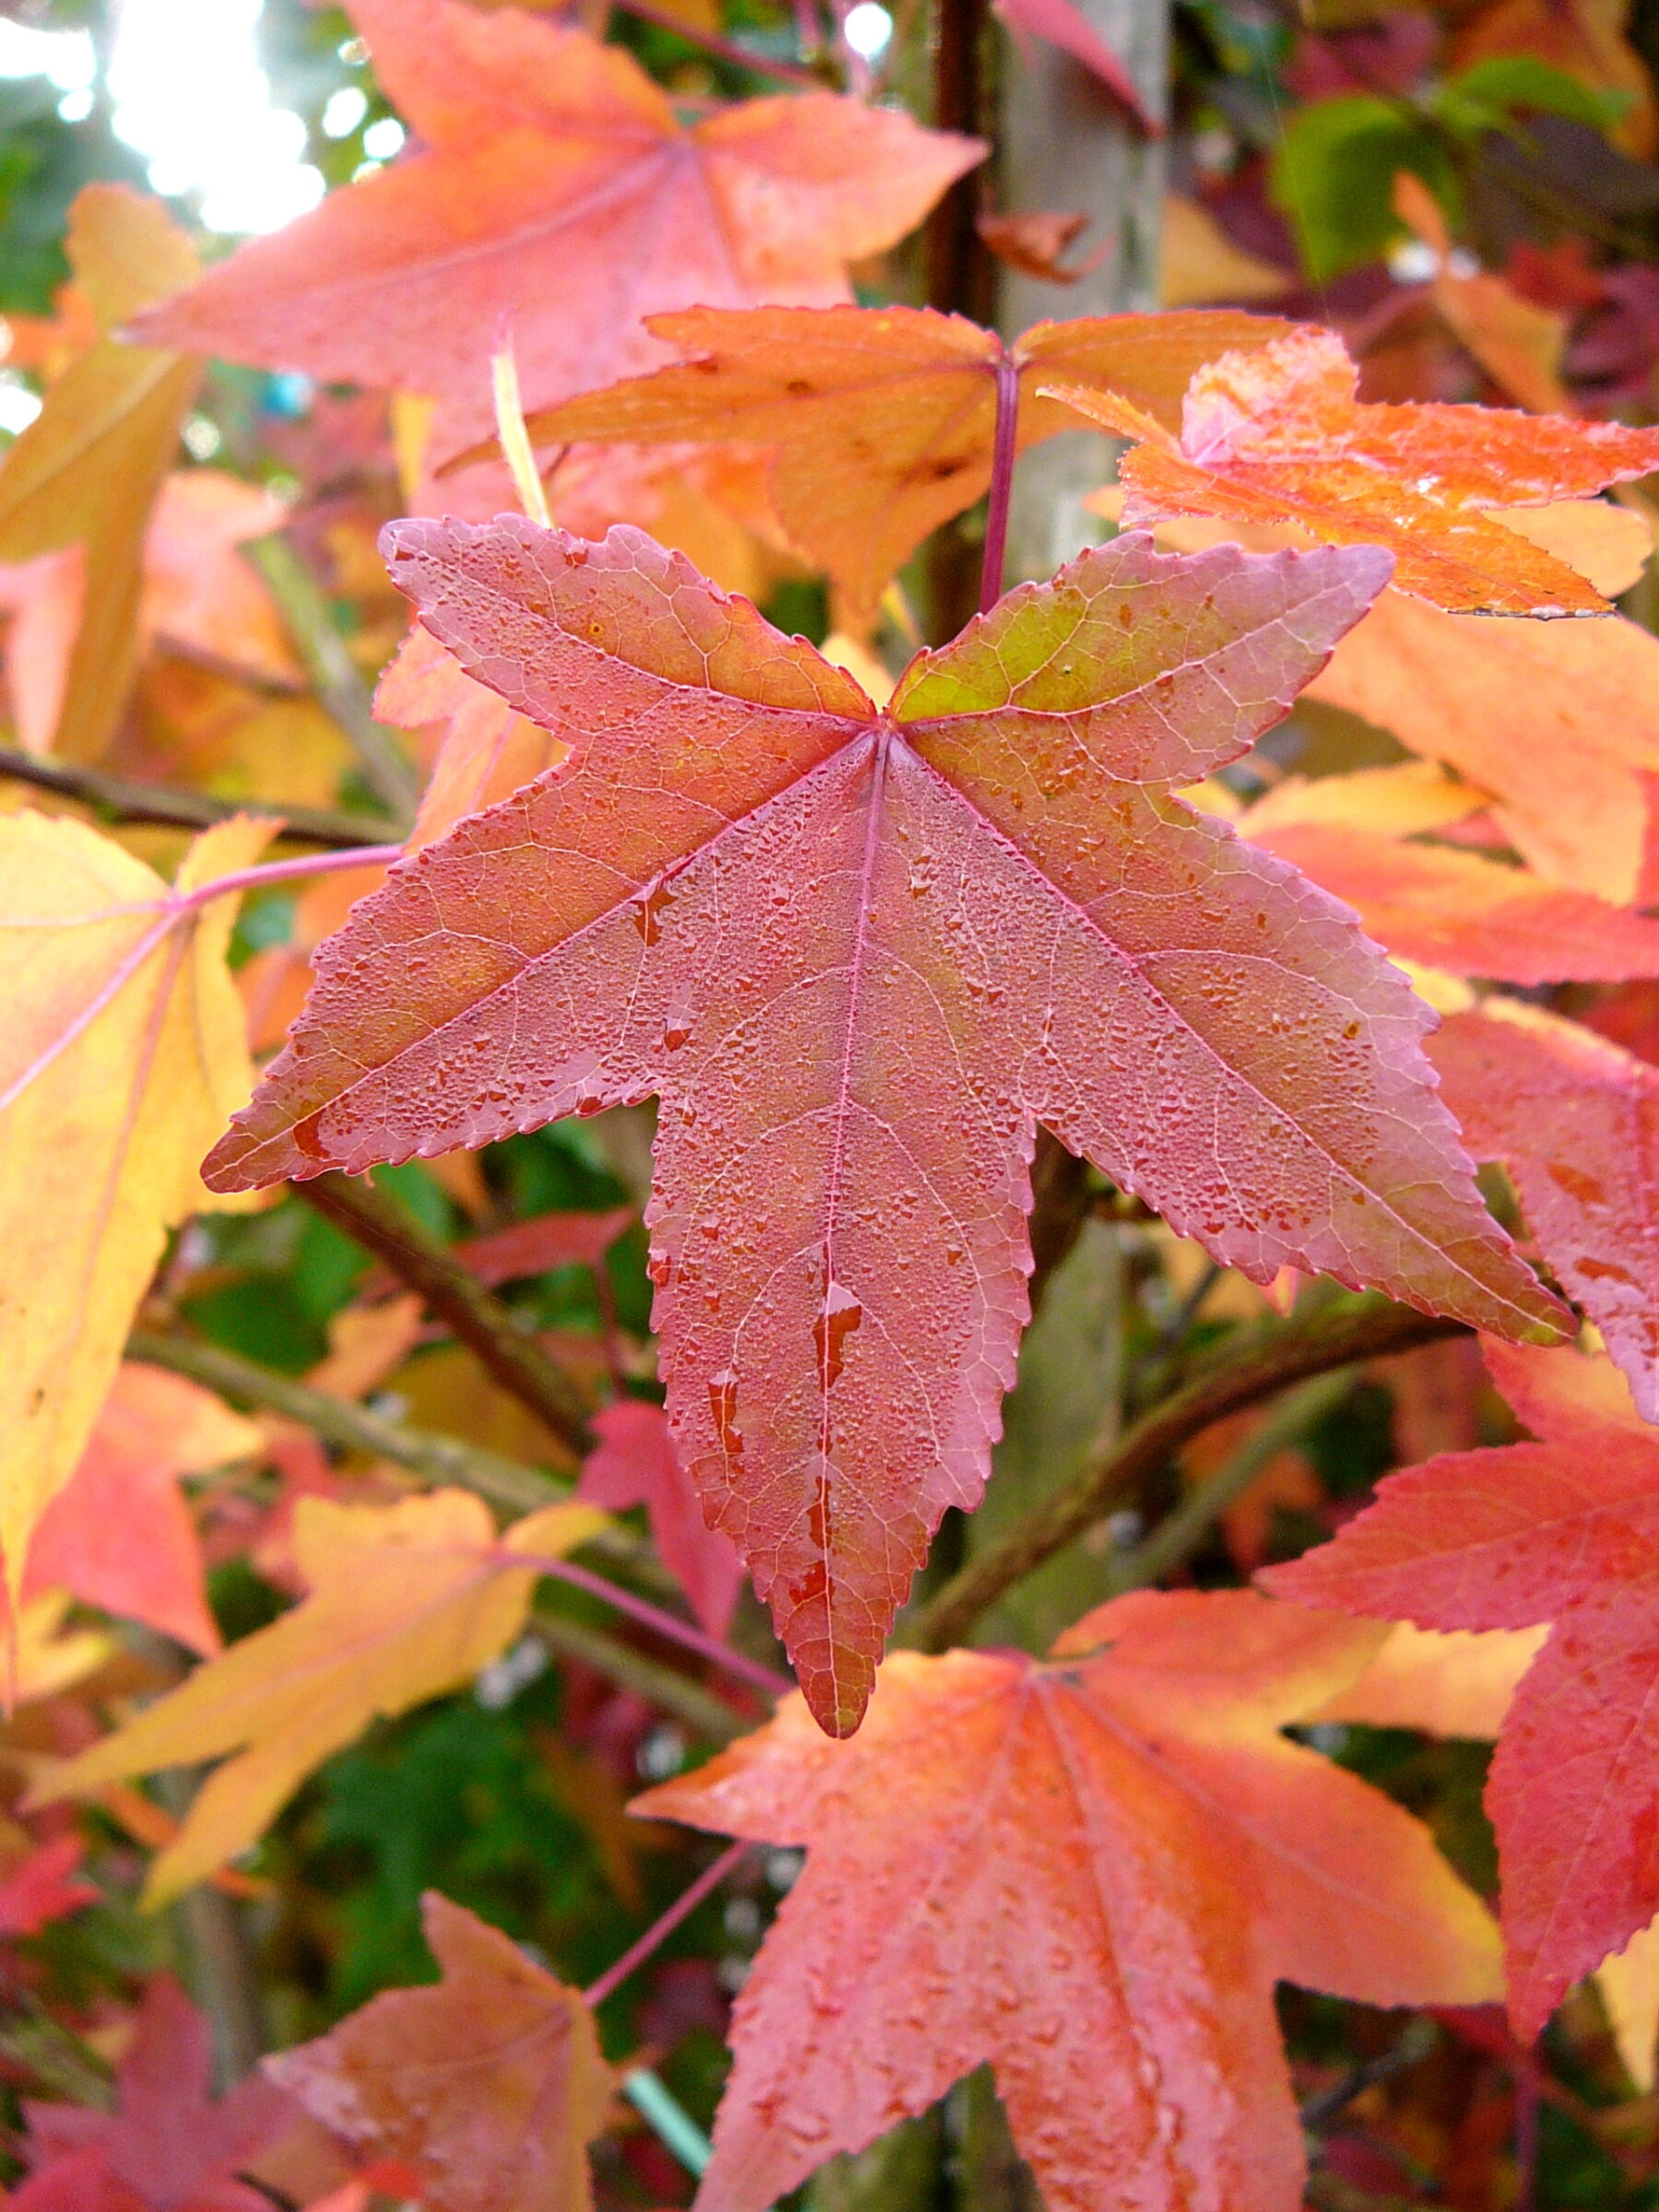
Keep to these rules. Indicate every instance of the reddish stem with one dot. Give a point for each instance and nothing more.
(660, 1623)
(725, 49)
(170, 911)
(637, 1953)
(1526, 2132)
(288, 871)
(1002, 482)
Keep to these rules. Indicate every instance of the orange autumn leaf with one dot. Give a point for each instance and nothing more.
(554, 189)
(201, 595)
(882, 419)
(405, 1601)
(1629, 1983)
(197, 595)
(1519, 344)
(1558, 721)
(274, 981)
(1103, 1865)
(49, 1655)
(1447, 908)
(119, 1535)
(1198, 264)
(488, 2087)
(1279, 436)
(1287, 1481)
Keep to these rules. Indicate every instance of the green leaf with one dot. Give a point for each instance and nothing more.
(1486, 96)
(1333, 175)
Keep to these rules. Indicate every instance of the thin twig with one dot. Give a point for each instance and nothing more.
(133, 801)
(705, 1715)
(334, 673)
(724, 49)
(1252, 1365)
(382, 1225)
(505, 1482)
(612, 1979)
(1002, 481)
(1416, 2042)
(1328, 2192)
(52, 2054)
(1180, 1533)
(663, 1624)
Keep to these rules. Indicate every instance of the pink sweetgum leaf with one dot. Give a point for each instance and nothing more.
(859, 955)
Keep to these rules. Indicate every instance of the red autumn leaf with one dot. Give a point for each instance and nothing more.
(166, 2147)
(1279, 436)
(1033, 243)
(881, 420)
(1565, 1530)
(636, 1464)
(859, 955)
(488, 2089)
(1575, 1122)
(1058, 23)
(545, 1241)
(1099, 1868)
(1455, 909)
(555, 191)
(42, 1886)
(120, 1536)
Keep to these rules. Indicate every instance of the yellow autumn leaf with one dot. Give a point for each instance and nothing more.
(404, 1602)
(1629, 1983)
(123, 1055)
(50, 1656)
(1455, 1682)
(81, 479)
(1199, 264)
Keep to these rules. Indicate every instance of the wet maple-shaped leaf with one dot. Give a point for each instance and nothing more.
(859, 955)
(883, 419)
(166, 2147)
(1574, 1119)
(635, 1463)
(119, 1535)
(489, 2086)
(555, 190)
(1103, 1865)
(1564, 1531)
(1279, 436)
(405, 1601)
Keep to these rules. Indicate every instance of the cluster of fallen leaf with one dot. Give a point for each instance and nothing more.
(870, 935)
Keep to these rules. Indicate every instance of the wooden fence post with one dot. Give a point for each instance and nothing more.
(1062, 145)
